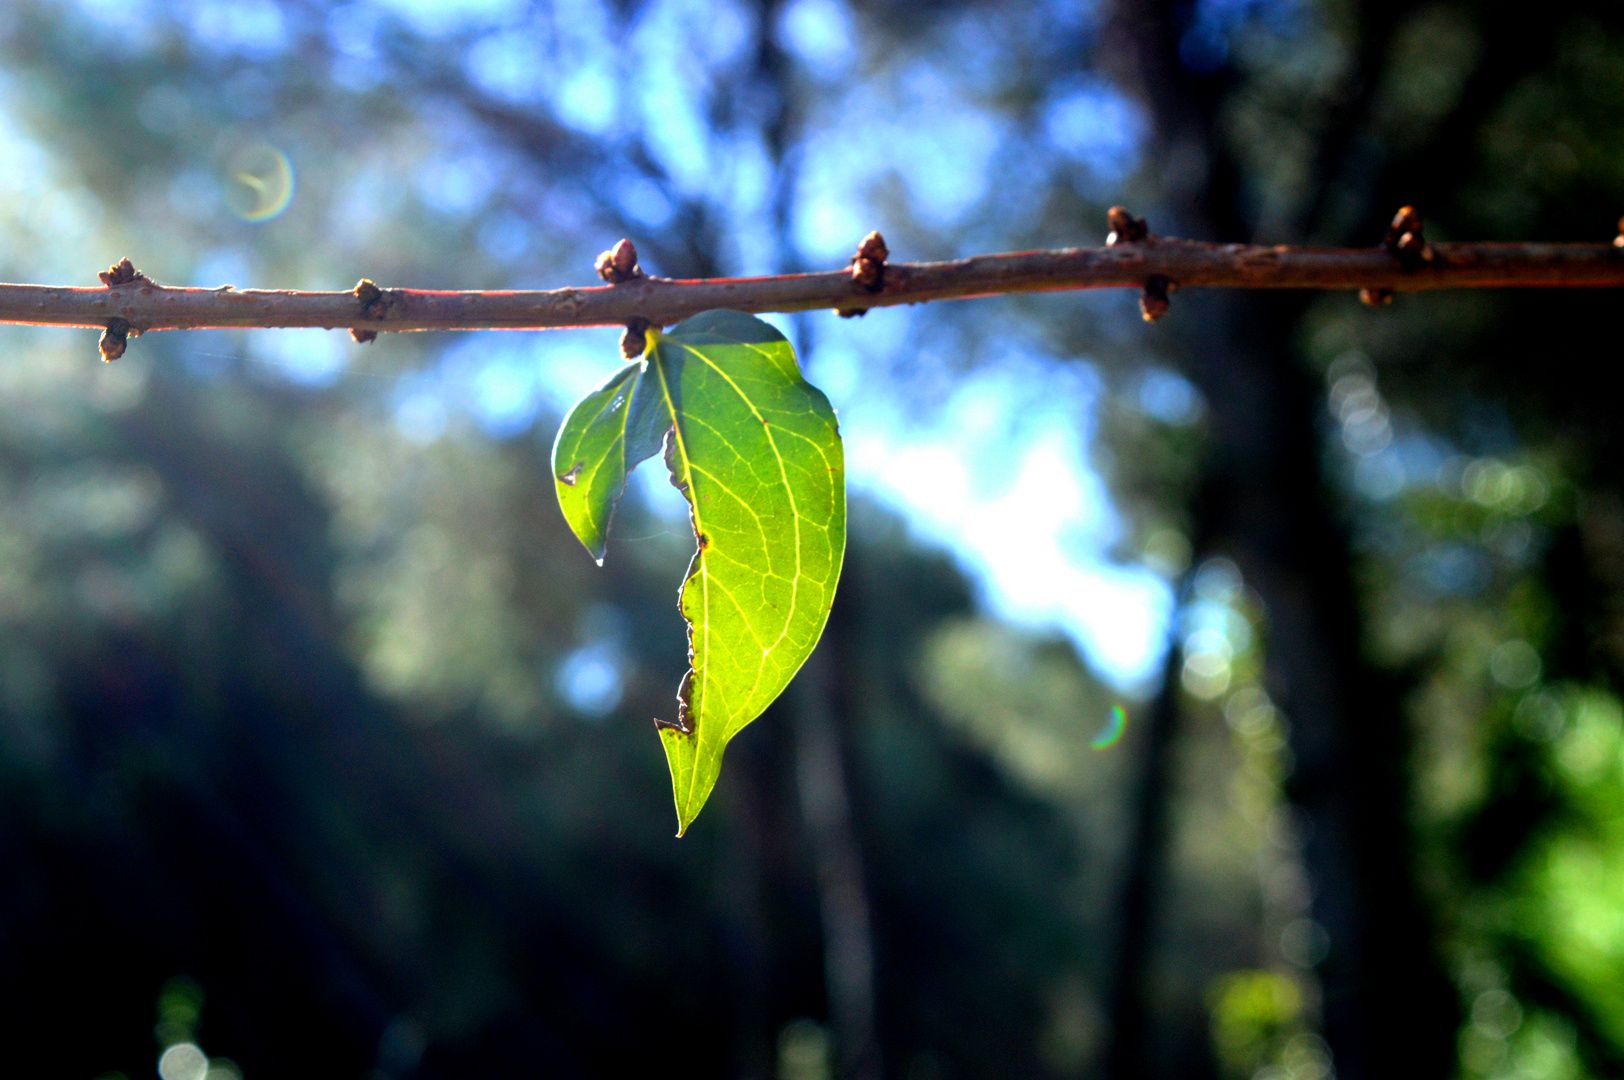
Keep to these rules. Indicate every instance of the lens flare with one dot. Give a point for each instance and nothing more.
(259, 182)
(1114, 727)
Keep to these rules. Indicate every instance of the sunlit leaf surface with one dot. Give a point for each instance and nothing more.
(604, 437)
(756, 451)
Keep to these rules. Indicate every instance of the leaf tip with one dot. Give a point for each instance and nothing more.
(686, 815)
(693, 767)
(680, 750)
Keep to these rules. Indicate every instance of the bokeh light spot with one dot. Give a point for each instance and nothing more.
(1114, 727)
(590, 680)
(183, 1061)
(259, 182)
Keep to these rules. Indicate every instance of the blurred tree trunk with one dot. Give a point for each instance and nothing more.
(1144, 872)
(1388, 1008)
(747, 933)
(848, 945)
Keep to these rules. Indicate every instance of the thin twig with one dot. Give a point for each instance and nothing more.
(145, 305)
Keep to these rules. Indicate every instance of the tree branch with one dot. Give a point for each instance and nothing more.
(145, 305)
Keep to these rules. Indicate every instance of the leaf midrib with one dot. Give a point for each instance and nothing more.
(789, 491)
(704, 572)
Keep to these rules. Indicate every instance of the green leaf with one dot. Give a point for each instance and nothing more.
(601, 441)
(756, 451)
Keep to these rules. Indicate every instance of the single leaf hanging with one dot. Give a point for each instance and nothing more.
(756, 451)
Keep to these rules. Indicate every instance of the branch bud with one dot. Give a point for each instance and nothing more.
(1405, 239)
(374, 305)
(868, 265)
(1407, 220)
(121, 273)
(114, 337)
(1125, 228)
(1153, 302)
(619, 263)
(634, 339)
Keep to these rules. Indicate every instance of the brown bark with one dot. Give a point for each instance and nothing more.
(145, 305)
